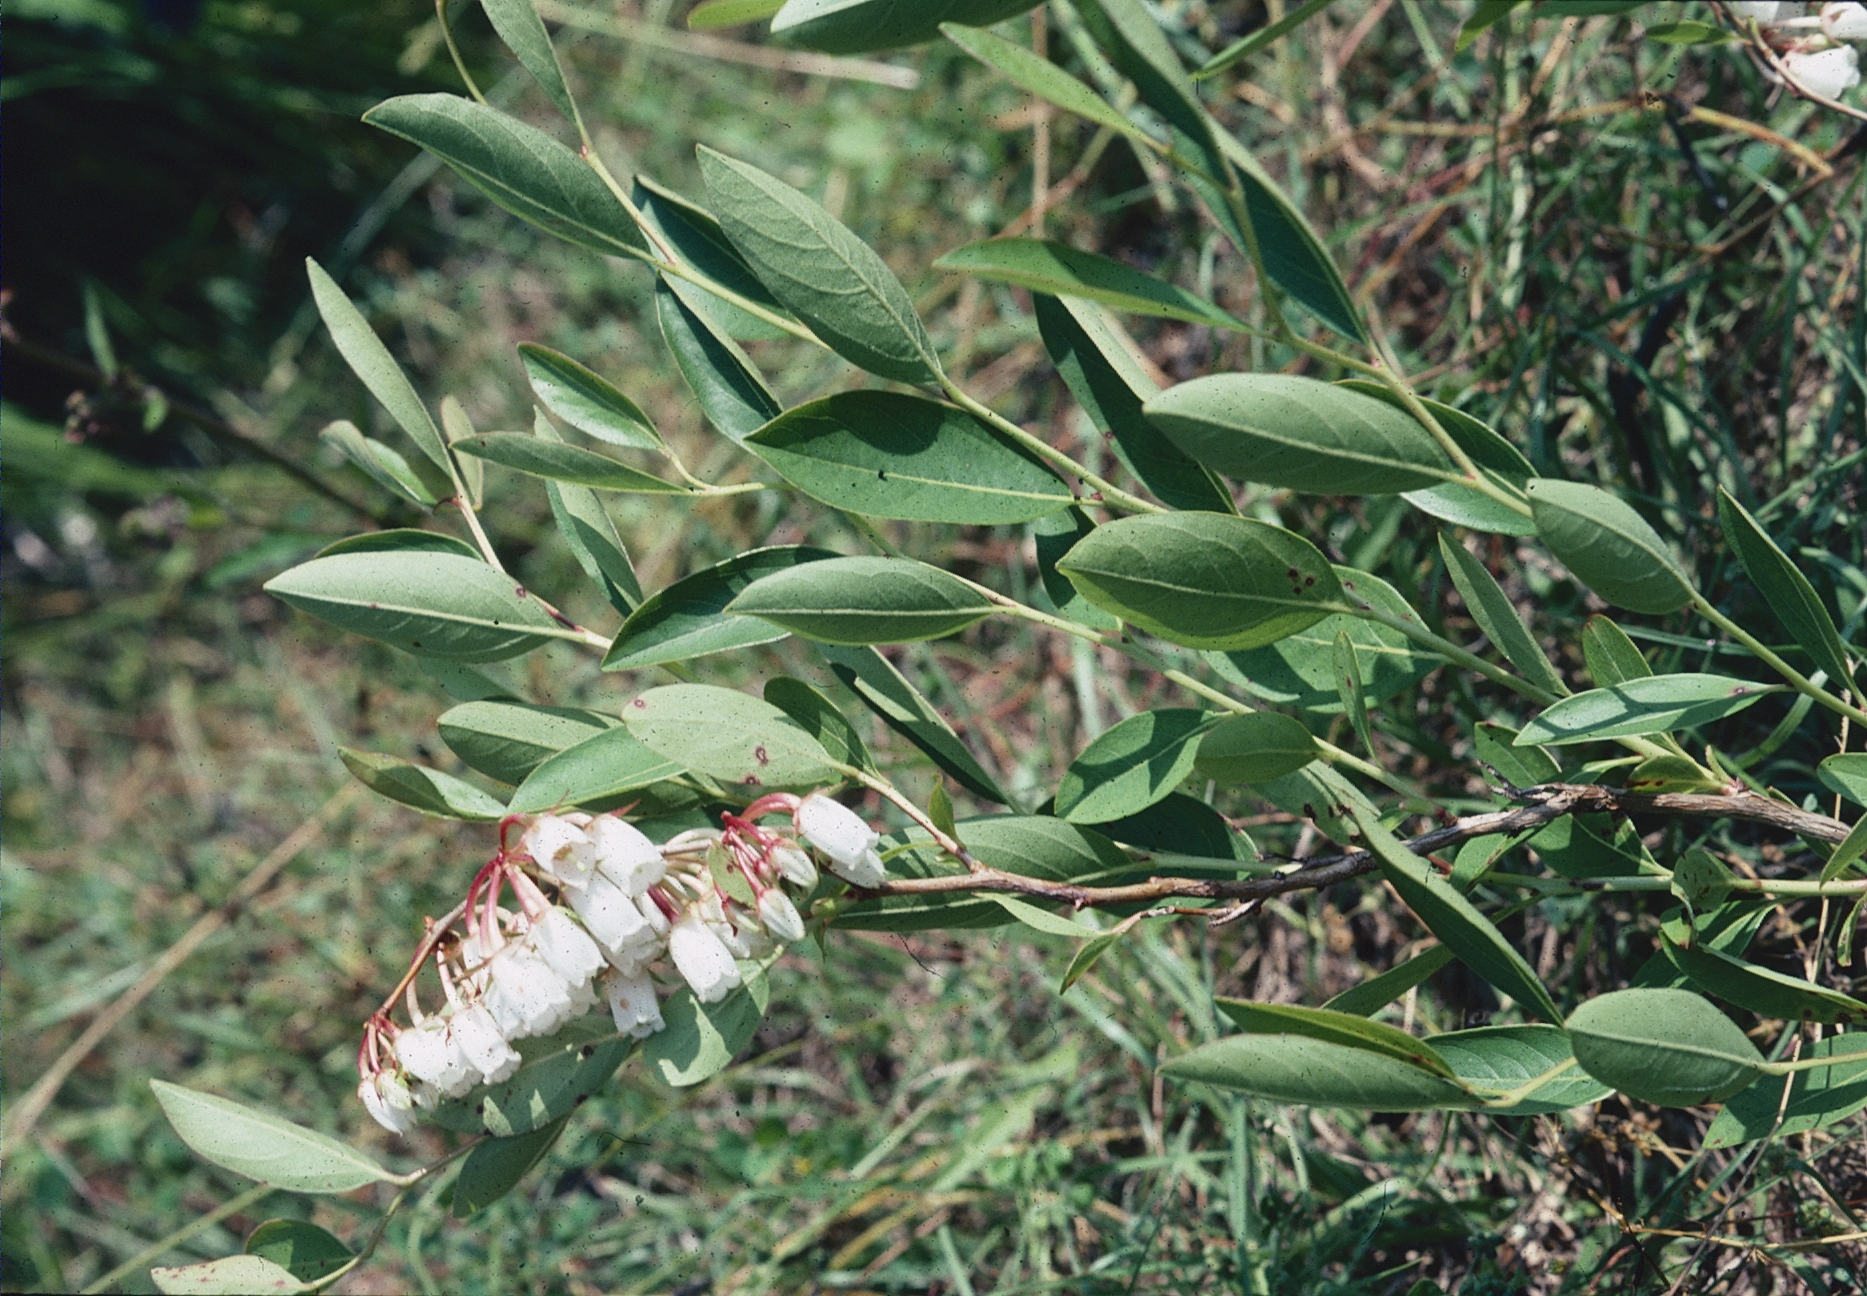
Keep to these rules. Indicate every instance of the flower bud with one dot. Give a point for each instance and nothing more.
(561, 848)
(1829, 73)
(840, 833)
(616, 924)
(702, 959)
(482, 1044)
(632, 999)
(388, 1101)
(1845, 22)
(794, 866)
(526, 996)
(625, 854)
(430, 1054)
(779, 916)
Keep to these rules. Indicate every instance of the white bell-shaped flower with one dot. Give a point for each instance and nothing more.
(388, 1101)
(625, 854)
(526, 996)
(561, 848)
(795, 866)
(430, 1054)
(702, 959)
(777, 915)
(1766, 14)
(1829, 73)
(632, 1000)
(1845, 22)
(480, 1041)
(561, 942)
(652, 915)
(844, 838)
(615, 922)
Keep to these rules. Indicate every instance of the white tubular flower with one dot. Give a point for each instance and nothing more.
(613, 919)
(426, 1096)
(651, 914)
(779, 916)
(561, 848)
(1766, 14)
(632, 1000)
(565, 946)
(701, 958)
(388, 1101)
(1845, 22)
(626, 856)
(840, 833)
(1829, 73)
(526, 997)
(482, 1045)
(794, 866)
(430, 1054)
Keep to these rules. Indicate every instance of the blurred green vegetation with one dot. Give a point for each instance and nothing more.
(1634, 294)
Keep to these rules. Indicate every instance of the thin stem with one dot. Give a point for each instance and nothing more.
(157, 1250)
(1798, 681)
(1511, 1097)
(460, 64)
(1109, 492)
(465, 506)
(1449, 650)
(1813, 1063)
(944, 840)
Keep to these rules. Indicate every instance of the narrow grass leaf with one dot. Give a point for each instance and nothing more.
(586, 400)
(862, 26)
(1816, 1098)
(903, 708)
(1762, 990)
(721, 376)
(1454, 919)
(427, 790)
(1255, 748)
(1316, 1073)
(1610, 655)
(380, 463)
(688, 619)
(728, 735)
(1656, 704)
(888, 454)
(370, 360)
(508, 740)
(1133, 765)
(1111, 387)
(438, 604)
(593, 772)
(856, 601)
(1497, 617)
(1046, 266)
(1299, 433)
(556, 461)
(1671, 1048)
(1377, 992)
(262, 1146)
(823, 273)
(1204, 580)
(1348, 686)
(519, 167)
(1352, 1030)
(1501, 1058)
(1609, 547)
(495, 1166)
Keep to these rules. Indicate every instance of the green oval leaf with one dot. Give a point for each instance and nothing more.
(522, 169)
(701, 244)
(823, 273)
(861, 26)
(1797, 607)
(382, 465)
(1497, 458)
(427, 790)
(556, 461)
(1180, 825)
(1294, 256)
(1203, 579)
(370, 360)
(559, 1074)
(722, 377)
(1316, 1073)
(1295, 432)
(1501, 1058)
(854, 601)
(241, 1275)
(1845, 774)
(593, 772)
(1656, 704)
(587, 530)
(1320, 795)
(1111, 387)
(1816, 1098)
(1132, 765)
(1348, 1029)
(1454, 919)
(891, 455)
(1348, 686)
(520, 27)
(728, 735)
(1052, 537)
(1524, 767)
(1497, 616)
(586, 400)
(823, 721)
(689, 619)
(495, 1166)
(1046, 266)
(1041, 77)
(1670, 1048)
(508, 740)
(1609, 547)
(303, 1250)
(700, 1040)
(399, 539)
(903, 708)
(1610, 655)
(1377, 992)
(435, 604)
(262, 1146)
(1762, 990)
(1255, 748)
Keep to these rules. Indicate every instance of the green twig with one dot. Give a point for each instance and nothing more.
(1109, 492)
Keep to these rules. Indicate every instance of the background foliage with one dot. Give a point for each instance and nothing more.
(1554, 223)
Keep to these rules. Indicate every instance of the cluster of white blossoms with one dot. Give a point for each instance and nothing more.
(1818, 49)
(625, 921)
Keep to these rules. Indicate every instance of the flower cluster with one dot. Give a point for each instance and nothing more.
(603, 916)
(1817, 48)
